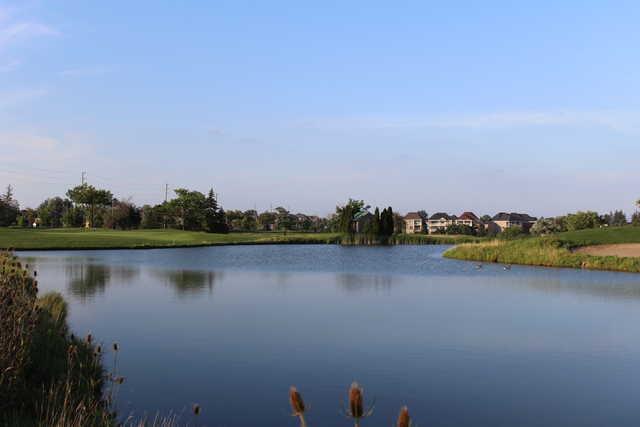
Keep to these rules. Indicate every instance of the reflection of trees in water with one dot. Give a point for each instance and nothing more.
(595, 287)
(189, 282)
(86, 280)
(360, 283)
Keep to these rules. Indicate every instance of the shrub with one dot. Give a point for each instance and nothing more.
(582, 220)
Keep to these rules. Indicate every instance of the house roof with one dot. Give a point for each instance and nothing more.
(413, 215)
(469, 216)
(513, 216)
(441, 215)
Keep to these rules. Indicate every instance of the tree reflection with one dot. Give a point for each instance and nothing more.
(363, 283)
(86, 280)
(189, 282)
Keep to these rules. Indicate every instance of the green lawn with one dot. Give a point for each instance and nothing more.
(601, 236)
(555, 251)
(63, 238)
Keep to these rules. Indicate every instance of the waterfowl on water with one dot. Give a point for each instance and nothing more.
(478, 266)
(507, 267)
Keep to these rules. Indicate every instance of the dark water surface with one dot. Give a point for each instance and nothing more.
(231, 328)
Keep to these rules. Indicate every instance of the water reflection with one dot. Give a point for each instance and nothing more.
(189, 283)
(85, 280)
(357, 283)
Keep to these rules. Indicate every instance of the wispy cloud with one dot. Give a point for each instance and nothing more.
(19, 96)
(10, 65)
(18, 31)
(625, 121)
(87, 71)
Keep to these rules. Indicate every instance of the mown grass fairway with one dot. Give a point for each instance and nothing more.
(601, 236)
(29, 239)
(555, 251)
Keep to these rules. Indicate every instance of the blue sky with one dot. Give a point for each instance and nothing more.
(483, 106)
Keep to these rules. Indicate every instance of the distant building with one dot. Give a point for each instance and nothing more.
(504, 220)
(470, 219)
(414, 223)
(438, 222)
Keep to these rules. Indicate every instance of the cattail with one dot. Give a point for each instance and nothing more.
(196, 409)
(297, 404)
(356, 405)
(99, 349)
(119, 380)
(116, 347)
(403, 418)
(89, 338)
(35, 273)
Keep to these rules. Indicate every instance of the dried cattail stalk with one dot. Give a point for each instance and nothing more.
(196, 409)
(297, 404)
(403, 418)
(116, 347)
(356, 404)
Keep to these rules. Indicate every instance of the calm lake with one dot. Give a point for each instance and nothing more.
(231, 328)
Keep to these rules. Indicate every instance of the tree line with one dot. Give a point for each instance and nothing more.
(91, 207)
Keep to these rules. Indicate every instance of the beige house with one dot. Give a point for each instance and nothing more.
(414, 223)
(439, 222)
(504, 220)
(469, 219)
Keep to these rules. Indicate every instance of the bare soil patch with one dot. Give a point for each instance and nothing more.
(620, 250)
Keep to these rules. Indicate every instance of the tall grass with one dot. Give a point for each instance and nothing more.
(540, 251)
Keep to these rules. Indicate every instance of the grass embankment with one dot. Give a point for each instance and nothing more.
(555, 251)
(63, 238)
(75, 238)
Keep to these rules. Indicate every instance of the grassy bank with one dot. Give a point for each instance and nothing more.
(63, 238)
(75, 238)
(554, 251)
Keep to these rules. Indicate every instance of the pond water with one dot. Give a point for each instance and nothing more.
(231, 328)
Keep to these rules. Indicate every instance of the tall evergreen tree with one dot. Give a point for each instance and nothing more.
(215, 217)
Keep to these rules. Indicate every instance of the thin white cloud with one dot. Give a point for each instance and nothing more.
(20, 96)
(624, 121)
(10, 65)
(18, 31)
(86, 71)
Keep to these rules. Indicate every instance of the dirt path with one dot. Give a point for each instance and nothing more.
(621, 250)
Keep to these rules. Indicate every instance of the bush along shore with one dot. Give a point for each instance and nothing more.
(548, 251)
(47, 375)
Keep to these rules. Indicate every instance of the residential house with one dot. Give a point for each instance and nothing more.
(414, 223)
(469, 219)
(504, 220)
(439, 222)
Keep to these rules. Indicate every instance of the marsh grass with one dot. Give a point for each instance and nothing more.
(550, 251)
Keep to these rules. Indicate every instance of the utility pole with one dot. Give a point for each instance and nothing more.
(166, 192)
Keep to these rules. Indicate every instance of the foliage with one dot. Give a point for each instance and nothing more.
(214, 216)
(47, 377)
(90, 197)
(582, 220)
(460, 229)
(9, 208)
(635, 219)
(511, 233)
(345, 215)
(52, 211)
(544, 226)
(73, 217)
(614, 219)
(123, 215)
